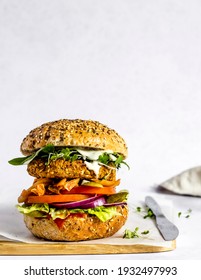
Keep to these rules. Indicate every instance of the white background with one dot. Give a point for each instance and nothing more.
(133, 65)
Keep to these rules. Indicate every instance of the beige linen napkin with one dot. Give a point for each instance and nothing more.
(186, 183)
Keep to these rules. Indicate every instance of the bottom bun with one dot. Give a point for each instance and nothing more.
(76, 227)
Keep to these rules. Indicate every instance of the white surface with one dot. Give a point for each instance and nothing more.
(133, 65)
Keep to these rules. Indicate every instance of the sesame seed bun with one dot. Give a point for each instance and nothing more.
(75, 133)
(75, 227)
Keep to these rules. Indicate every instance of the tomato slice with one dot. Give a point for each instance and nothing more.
(75, 194)
(91, 190)
(56, 198)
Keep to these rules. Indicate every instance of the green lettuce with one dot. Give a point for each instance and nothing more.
(34, 208)
(58, 213)
(44, 210)
(104, 213)
(26, 160)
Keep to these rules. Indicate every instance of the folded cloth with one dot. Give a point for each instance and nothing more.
(186, 183)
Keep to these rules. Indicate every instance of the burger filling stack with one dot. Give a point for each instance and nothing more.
(74, 193)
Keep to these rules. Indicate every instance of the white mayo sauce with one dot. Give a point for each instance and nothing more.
(94, 155)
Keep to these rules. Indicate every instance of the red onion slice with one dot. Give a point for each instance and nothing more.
(98, 202)
(74, 204)
(91, 202)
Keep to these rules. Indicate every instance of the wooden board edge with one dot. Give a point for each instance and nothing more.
(10, 248)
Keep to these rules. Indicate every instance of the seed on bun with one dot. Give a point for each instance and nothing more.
(75, 133)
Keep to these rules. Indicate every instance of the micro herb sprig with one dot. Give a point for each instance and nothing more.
(145, 232)
(186, 214)
(115, 158)
(149, 214)
(65, 153)
(135, 233)
(145, 212)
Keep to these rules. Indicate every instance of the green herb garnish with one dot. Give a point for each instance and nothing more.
(179, 214)
(149, 214)
(131, 234)
(50, 152)
(138, 209)
(65, 153)
(134, 234)
(115, 158)
(186, 214)
(145, 232)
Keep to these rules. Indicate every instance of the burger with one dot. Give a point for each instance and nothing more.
(73, 196)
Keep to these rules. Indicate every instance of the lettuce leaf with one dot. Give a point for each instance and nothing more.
(58, 213)
(27, 209)
(26, 160)
(43, 210)
(104, 213)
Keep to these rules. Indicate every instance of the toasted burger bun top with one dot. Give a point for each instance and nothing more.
(75, 133)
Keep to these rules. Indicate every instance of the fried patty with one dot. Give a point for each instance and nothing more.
(61, 168)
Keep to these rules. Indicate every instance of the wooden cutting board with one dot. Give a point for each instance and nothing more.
(20, 248)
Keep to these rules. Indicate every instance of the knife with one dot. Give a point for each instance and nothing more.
(168, 230)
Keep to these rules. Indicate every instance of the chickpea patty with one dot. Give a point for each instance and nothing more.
(61, 168)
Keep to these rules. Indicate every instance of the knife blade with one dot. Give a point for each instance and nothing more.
(167, 229)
